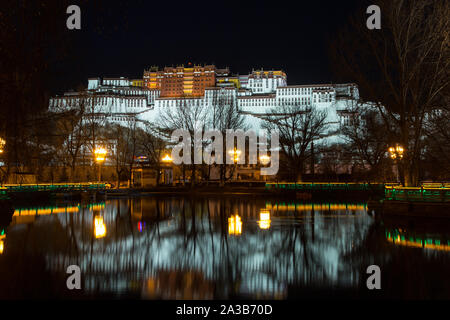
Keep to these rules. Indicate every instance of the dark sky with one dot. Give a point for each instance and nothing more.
(123, 38)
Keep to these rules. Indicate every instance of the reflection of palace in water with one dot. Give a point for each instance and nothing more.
(196, 249)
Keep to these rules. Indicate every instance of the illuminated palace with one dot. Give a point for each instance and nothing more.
(180, 81)
(257, 94)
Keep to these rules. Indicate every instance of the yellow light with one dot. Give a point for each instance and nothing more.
(235, 154)
(167, 158)
(97, 207)
(2, 144)
(2, 243)
(44, 211)
(409, 243)
(99, 227)
(318, 207)
(265, 159)
(234, 225)
(396, 152)
(100, 154)
(264, 219)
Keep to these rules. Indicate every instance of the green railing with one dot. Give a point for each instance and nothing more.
(324, 186)
(426, 194)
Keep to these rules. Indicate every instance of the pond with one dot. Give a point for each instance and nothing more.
(220, 247)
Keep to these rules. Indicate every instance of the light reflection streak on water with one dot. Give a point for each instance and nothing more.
(234, 225)
(99, 227)
(264, 219)
(401, 238)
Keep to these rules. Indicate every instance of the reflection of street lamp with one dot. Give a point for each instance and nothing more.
(2, 145)
(99, 227)
(264, 219)
(396, 154)
(235, 225)
(100, 156)
(2, 241)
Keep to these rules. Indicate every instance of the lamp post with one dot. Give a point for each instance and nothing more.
(264, 159)
(235, 155)
(167, 159)
(396, 154)
(100, 156)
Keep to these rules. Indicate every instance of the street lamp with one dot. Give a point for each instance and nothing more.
(396, 154)
(264, 159)
(167, 169)
(100, 157)
(167, 159)
(2, 145)
(235, 154)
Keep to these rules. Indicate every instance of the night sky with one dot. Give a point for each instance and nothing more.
(123, 38)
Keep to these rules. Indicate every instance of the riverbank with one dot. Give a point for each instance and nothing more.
(206, 190)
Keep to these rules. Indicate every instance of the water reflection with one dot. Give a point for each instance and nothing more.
(234, 225)
(2, 242)
(184, 248)
(99, 227)
(264, 219)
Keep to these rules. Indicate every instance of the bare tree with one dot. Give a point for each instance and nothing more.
(71, 128)
(437, 151)
(152, 145)
(403, 68)
(366, 139)
(192, 117)
(124, 138)
(298, 127)
(132, 142)
(225, 115)
(28, 33)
